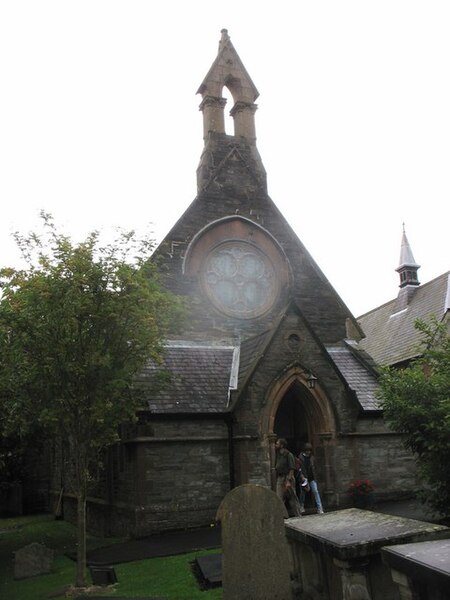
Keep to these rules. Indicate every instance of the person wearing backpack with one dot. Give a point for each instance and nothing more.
(307, 465)
(285, 471)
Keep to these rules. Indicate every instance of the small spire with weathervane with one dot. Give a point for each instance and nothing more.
(407, 269)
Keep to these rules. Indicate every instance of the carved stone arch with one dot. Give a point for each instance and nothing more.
(229, 100)
(234, 86)
(320, 426)
(227, 228)
(239, 108)
(319, 409)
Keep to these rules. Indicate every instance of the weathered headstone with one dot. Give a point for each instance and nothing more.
(34, 559)
(256, 562)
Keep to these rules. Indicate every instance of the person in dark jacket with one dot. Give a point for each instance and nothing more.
(307, 466)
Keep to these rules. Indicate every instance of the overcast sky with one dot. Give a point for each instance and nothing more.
(99, 122)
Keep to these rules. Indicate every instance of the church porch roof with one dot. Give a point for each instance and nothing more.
(359, 376)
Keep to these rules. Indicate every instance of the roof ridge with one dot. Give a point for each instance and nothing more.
(200, 344)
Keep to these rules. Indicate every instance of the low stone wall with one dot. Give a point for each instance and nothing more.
(127, 520)
(337, 556)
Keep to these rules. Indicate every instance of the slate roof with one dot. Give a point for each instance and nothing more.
(359, 375)
(391, 337)
(252, 350)
(201, 377)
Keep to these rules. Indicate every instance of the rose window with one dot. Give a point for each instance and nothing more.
(240, 279)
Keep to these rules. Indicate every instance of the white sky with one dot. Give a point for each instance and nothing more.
(99, 122)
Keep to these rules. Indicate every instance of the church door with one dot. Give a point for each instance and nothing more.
(300, 414)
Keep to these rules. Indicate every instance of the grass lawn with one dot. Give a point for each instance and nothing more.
(167, 577)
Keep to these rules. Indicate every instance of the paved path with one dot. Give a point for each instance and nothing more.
(161, 544)
(180, 542)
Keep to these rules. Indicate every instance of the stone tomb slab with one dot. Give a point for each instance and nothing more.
(427, 562)
(354, 533)
(337, 556)
(210, 567)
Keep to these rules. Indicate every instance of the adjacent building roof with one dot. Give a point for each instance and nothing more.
(193, 378)
(391, 337)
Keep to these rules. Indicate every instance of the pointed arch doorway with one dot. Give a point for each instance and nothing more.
(293, 419)
(300, 414)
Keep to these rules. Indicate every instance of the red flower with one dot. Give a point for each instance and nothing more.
(361, 487)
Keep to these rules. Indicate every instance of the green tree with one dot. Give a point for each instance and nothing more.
(416, 402)
(76, 326)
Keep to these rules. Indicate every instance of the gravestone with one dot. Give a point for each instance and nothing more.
(34, 559)
(256, 563)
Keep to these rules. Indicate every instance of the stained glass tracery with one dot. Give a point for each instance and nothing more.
(240, 279)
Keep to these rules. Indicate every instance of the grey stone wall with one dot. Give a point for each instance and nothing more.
(174, 479)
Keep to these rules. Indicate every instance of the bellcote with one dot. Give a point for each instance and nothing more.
(228, 71)
(230, 165)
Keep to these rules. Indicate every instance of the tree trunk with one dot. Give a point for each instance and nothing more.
(81, 540)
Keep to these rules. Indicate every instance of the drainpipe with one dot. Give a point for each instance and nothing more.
(272, 438)
(229, 422)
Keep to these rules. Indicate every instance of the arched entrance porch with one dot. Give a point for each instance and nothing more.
(300, 414)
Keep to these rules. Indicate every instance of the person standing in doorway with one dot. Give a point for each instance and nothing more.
(307, 465)
(285, 471)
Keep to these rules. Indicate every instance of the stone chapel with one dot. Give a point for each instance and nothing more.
(268, 349)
